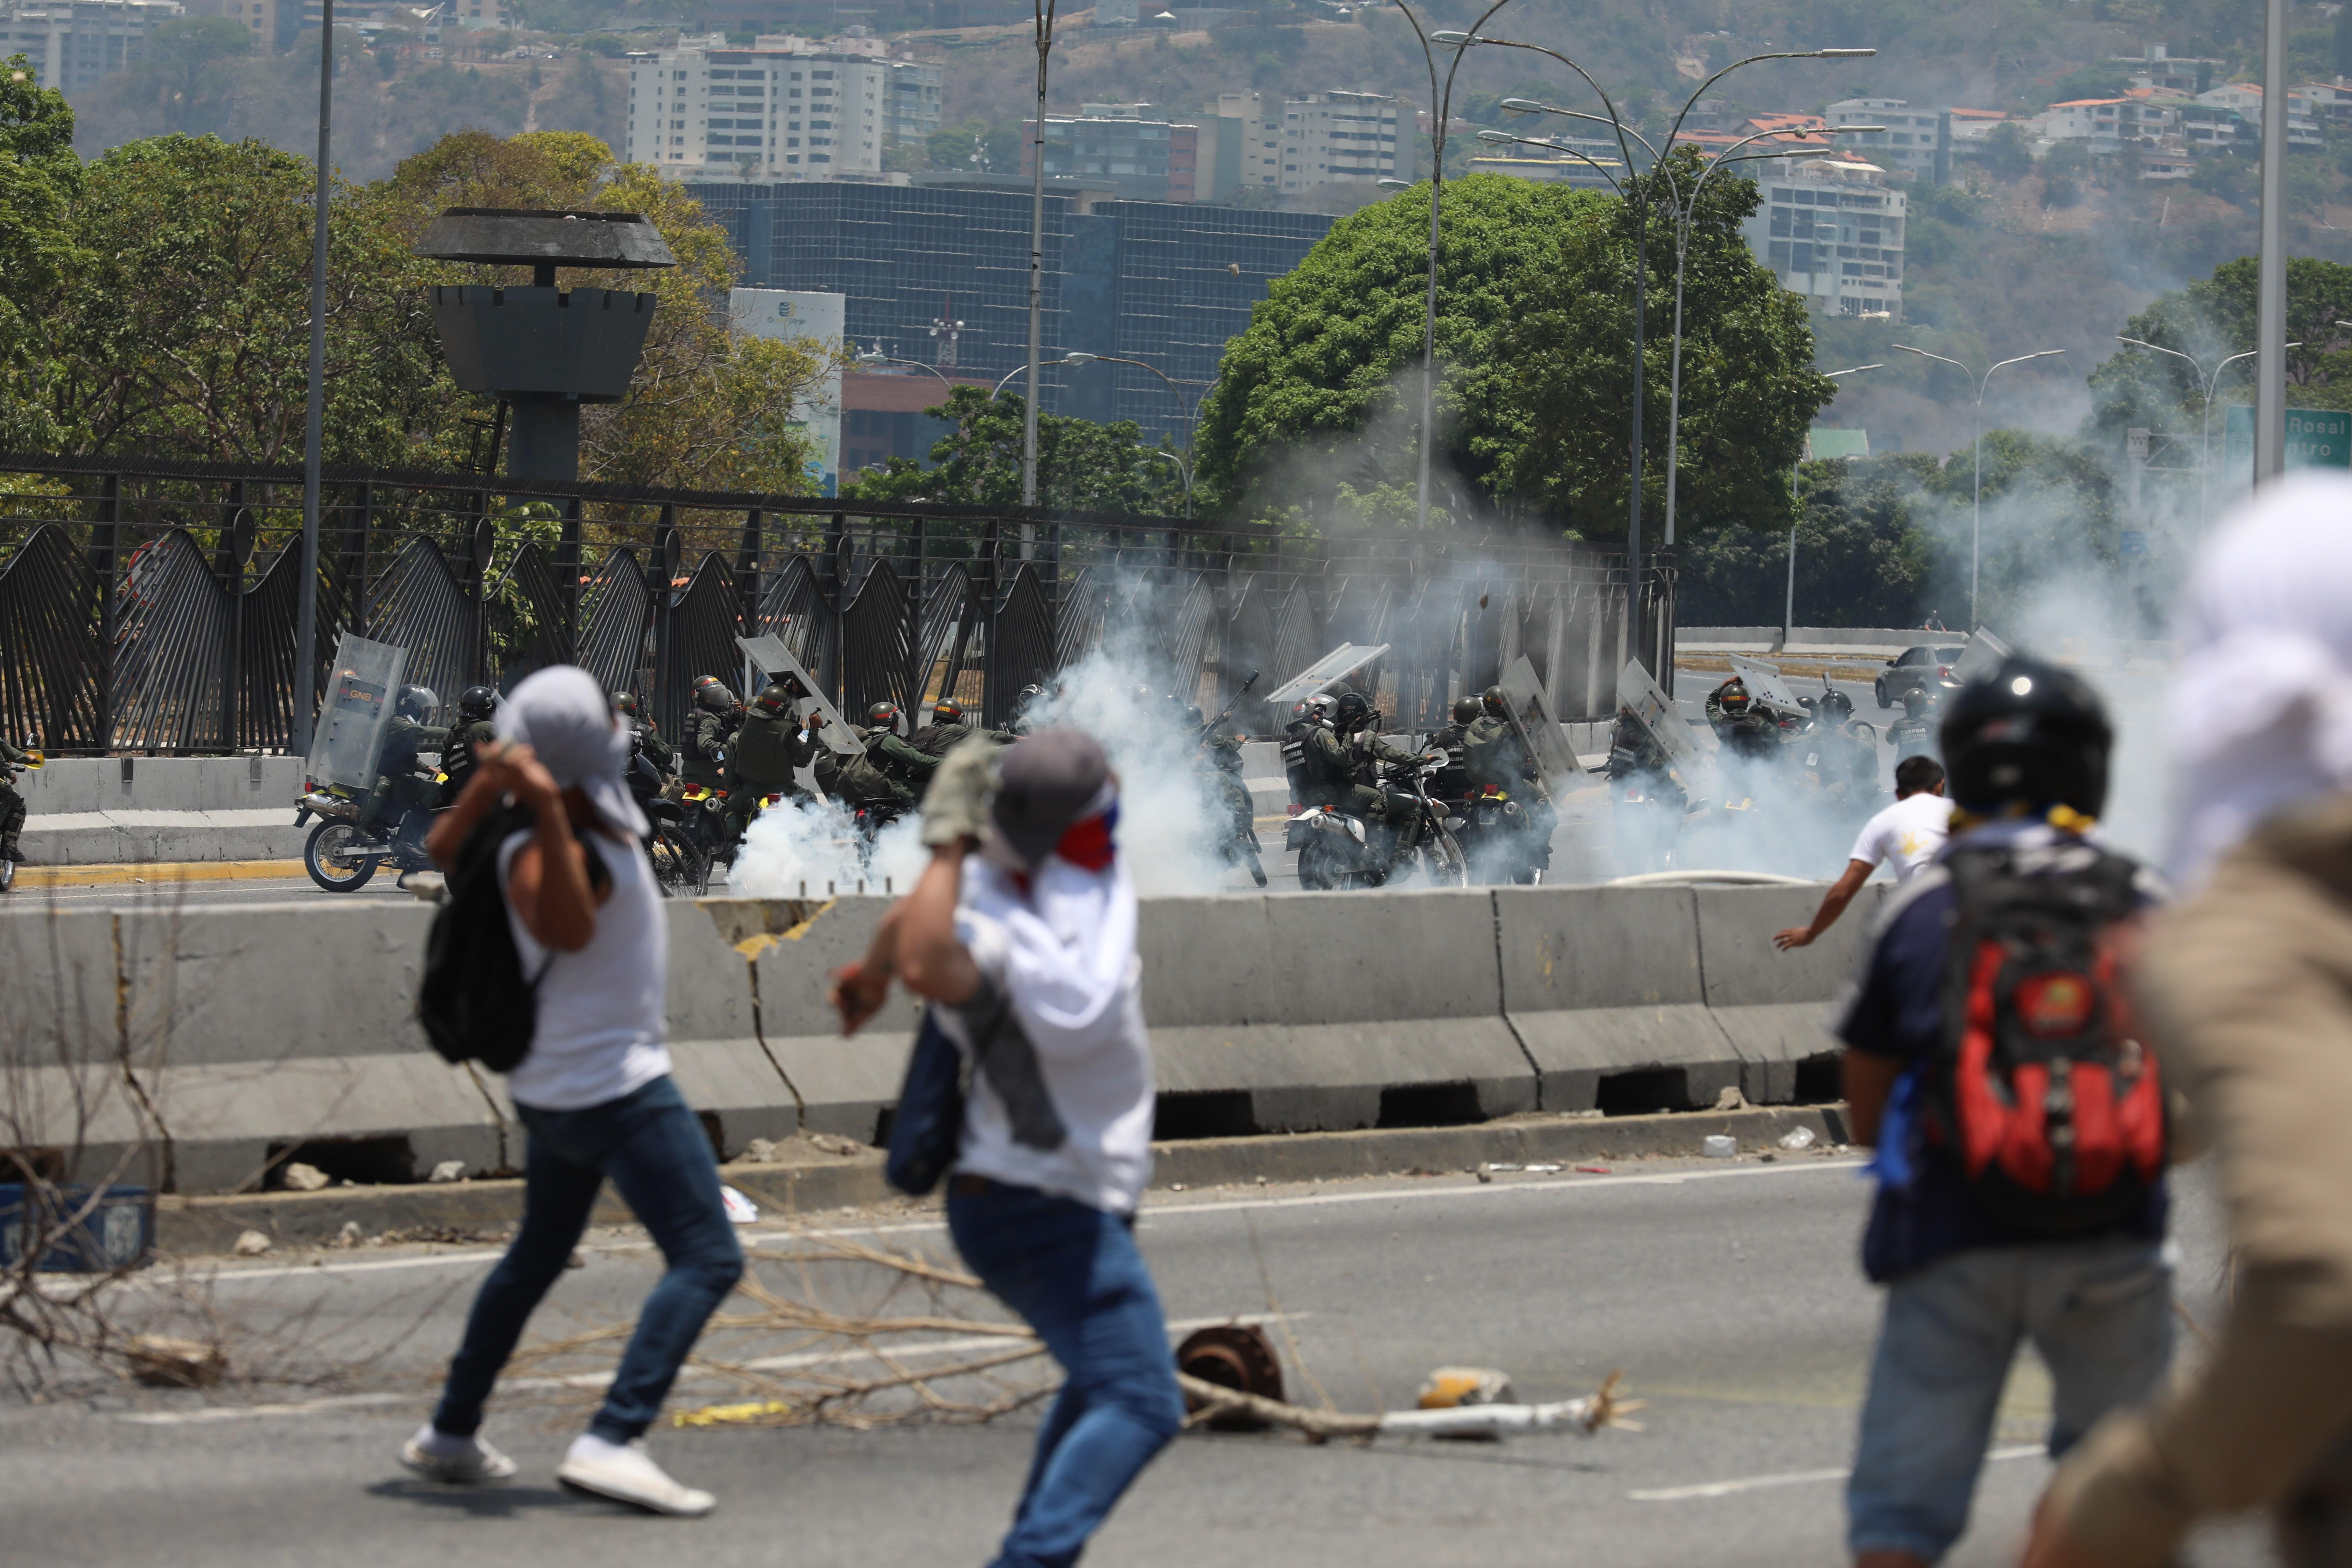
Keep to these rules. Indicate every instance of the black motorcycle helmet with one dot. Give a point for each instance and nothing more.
(416, 702)
(1466, 710)
(1732, 697)
(947, 710)
(775, 699)
(883, 715)
(713, 694)
(1836, 706)
(475, 702)
(625, 704)
(1916, 701)
(1195, 718)
(1354, 710)
(2028, 734)
(1497, 702)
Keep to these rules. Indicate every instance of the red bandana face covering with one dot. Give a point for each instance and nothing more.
(1087, 844)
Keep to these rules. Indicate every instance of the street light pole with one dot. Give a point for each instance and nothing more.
(1441, 112)
(2270, 304)
(1788, 604)
(2205, 386)
(879, 357)
(314, 413)
(1976, 442)
(1044, 14)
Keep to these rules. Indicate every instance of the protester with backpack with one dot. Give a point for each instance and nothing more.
(1021, 932)
(1992, 1059)
(550, 961)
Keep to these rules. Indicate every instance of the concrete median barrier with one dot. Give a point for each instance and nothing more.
(1603, 986)
(843, 1086)
(1776, 1008)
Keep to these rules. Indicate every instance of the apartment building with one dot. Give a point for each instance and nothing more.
(1916, 144)
(2245, 99)
(71, 45)
(2157, 68)
(1299, 144)
(784, 109)
(1831, 228)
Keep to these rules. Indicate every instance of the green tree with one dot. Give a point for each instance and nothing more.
(40, 178)
(184, 70)
(1865, 552)
(2006, 152)
(2211, 320)
(1534, 336)
(1081, 466)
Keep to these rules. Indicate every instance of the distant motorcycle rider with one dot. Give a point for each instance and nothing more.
(646, 739)
(1742, 722)
(1355, 722)
(12, 804)
(905, 767)
(950, 727)
(763, 756)
(1219, 755)
(472, 731)
(1495, 753)
(716, 716)
(1026, 704)
(1914, 734)
(853, 780)
(1453, 781)
(402, 786)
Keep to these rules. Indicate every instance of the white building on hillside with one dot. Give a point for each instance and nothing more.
(2246, 97)
(784, 109)
(1911, 145)
(72, 44)
(1832, 229)
(1322, 139)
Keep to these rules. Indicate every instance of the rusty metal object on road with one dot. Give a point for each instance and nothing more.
(1237, 1357)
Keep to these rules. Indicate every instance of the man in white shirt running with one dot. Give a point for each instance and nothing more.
(1910, 832)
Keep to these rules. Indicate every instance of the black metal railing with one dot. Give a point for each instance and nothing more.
(152, 607)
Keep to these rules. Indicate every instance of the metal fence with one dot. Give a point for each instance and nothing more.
(152, 607)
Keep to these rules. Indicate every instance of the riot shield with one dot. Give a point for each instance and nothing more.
(768, 656)
(1540, 729)
(1983, 655)
(1321, 675)
(1652, 708)
(1766, 687)
(361, 690)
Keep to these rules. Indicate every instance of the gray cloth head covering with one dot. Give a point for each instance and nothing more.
(1046, 783)
(567, 719)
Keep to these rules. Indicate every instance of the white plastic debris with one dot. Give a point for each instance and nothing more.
(448, 1171)
(251, 1243)
(762, 1152)
(1540, 1170)
(1479, 1420)
(740, 1209)
(1720, 1146)
(1797, 1138)
(301, 1178)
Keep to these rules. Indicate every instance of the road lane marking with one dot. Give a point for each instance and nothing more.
(1791, 1478)
(255, 1411)
(763, 1240)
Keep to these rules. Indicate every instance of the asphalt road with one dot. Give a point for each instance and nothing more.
(1727, 1292)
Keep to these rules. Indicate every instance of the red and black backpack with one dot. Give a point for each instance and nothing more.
(2052, 1107)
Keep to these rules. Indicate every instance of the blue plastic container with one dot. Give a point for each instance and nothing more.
(119, 1232)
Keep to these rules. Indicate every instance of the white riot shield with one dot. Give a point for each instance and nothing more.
(361, 690)
(1640, 696)
(1982, 655)
(1539, 727)
(768, 656)
(1322, 675)
(1766, 685)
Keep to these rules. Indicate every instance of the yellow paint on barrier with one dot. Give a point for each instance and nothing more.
(164, 872)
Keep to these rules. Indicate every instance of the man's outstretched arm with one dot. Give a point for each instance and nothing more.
(1833, 903)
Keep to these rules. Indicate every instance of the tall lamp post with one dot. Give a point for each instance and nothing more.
(2205, 385)
(1976, 441)
(876, 356)
(1045, 40)
(1441, 114)
(314, 413)
(1788, 604)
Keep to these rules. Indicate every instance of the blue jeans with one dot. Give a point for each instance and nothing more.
(652, 1148)
(2100, 1313)
(1073, 1274)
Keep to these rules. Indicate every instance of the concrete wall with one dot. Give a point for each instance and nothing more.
(253, 1033)
(83, 811)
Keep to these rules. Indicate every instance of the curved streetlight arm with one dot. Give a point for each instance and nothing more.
(1782, 55)
(1852, 370)
(915, 363)
(1505, 139)
(1529, 106)
(1048, 365)
(1922, 354)
(1615, 120)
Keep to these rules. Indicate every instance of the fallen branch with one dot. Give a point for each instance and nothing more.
(1602, 1409)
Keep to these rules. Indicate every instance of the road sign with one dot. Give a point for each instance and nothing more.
(2316, 439)
(2135, 541)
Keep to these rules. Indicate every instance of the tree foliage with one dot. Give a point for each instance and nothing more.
(1081, 466)
(1535, 317)
(2211, 320)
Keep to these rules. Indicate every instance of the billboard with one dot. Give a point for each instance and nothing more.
(789, 314)
(2316, 439)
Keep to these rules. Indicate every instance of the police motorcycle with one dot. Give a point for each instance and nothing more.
(341, 855)
(1340, 850)
(681, 866)
(35, 760)
(1496, 837)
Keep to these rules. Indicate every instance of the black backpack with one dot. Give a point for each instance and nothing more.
(473, 1000)
(2054, 1110)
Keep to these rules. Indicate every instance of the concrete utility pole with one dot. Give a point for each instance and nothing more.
(1045, 14)
(314, 414)
(2269, 314)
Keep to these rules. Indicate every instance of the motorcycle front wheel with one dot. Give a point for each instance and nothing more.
(324, 857)
(680, 868)
(1443, 863)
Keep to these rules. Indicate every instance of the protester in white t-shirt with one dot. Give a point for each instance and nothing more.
(1908, 835)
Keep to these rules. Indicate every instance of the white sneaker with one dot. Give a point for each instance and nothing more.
(458, 1461)
(625, 1473)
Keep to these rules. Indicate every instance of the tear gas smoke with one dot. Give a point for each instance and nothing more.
(812, 847)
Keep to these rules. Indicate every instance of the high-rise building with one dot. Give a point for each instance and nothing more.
(1831, 228)
(784, 109)
(72, 44)
(1165, 283)
(1914, 145)
(1294, 145)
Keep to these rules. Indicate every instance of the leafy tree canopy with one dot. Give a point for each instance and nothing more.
(2211, 320)
(1081, 466)
(1534, 325)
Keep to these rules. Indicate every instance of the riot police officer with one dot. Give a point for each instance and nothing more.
(1914, 734)
(854, 780)
(901, 764)
(716, 716)
(472, 731)
(1313, 757)
(763, 756)
(1494, 752)
(950, 727)
(1354, 721)
(1453, 781)
(1219, 757)
(644, 736)
(402, 786)
(12, 804)
(1025, 704)
(1740, 721)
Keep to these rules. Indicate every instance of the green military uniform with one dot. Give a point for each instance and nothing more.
(1495, 755)
(1222, 755)
(699, 762)
(1913, 737)
(12, 804)
(936, 739)
(460, 752)
(898, 762)
(760, 761)
(856, 781)
(1453, 781)
(400, 782)
(660, 752)
(1365, 751)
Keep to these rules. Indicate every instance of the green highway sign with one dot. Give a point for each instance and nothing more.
(2316, 439)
